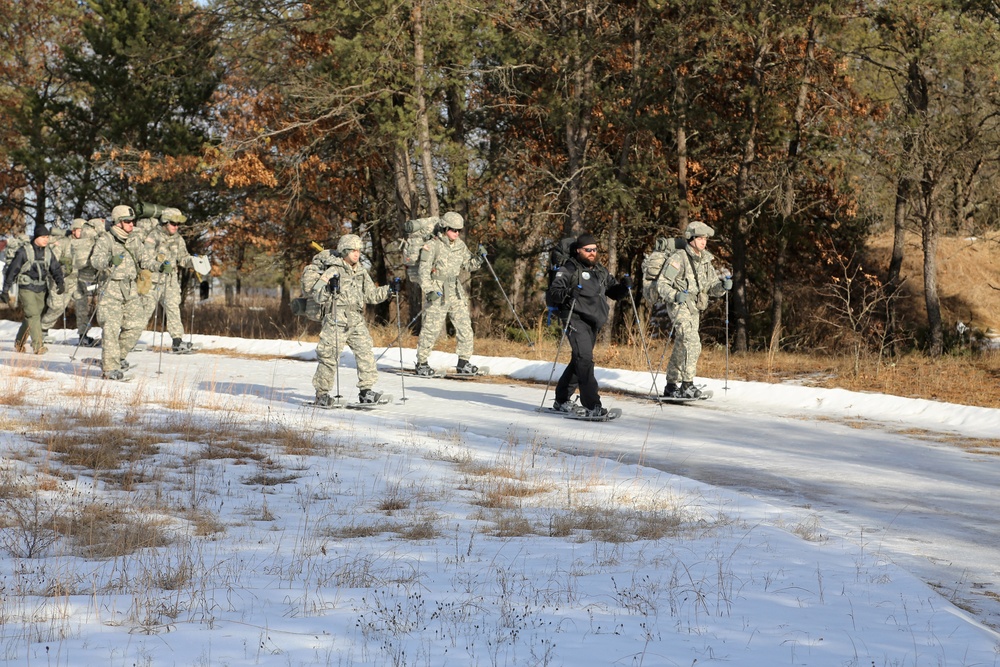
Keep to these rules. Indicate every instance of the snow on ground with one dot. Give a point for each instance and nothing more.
(459, 527)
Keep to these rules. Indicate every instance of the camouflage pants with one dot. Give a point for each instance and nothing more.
(55, 303)
(32, 304)
(119, 312)
(170, 297)
(149, 302)
(687, 345)
(352, 332)
(434, 317)
(81, 304)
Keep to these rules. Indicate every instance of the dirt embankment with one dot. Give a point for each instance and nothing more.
(968, 279)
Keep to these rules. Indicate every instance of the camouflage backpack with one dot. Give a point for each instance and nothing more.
(418, 232)
(652, 264)
(306, 305)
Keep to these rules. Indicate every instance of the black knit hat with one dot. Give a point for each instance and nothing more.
(41, 230)
(584, 240)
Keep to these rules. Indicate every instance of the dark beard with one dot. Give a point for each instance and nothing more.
(585, 261)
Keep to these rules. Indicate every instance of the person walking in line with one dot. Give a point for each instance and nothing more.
(342, 289)
(580, 291)
(172, 253)
(685, 285)
(36, 270)
(119, 257)
(56, 303)
(442, 260)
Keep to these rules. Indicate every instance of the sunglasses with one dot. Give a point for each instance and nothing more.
(589, 249)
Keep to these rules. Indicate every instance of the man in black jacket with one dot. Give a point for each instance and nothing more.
(580, 290)
(32, 269)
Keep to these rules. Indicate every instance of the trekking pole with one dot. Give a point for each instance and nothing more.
(335, 281)
(194, 305)
(569, 316)
(399, 336)
(163, 325)
(399, 339)
(90, 320)
(482, 252)
(663, 355)
(726, 386)
(642, 337)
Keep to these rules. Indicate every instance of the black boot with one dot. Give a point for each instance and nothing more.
(688, 390)
(369, 396)
(671, 390)
(465, 368)
(423, 370)
(180, 346)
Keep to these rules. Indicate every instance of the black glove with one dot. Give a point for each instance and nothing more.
(4, 297)
(394, 286)
(626, 281)
(333, 285)
(60, 289)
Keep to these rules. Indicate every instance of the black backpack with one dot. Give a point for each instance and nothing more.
(560, 252)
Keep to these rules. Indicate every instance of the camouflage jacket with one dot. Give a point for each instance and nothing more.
(168, 247)
(130, 248)
(441, 265)
(687, 271)
(356, 287)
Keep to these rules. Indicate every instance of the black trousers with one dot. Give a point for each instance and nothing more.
(580, 371)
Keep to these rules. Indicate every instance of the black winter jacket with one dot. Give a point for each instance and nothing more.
(588, 287)
(38, 271)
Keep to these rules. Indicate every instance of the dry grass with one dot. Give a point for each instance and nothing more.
(100, 530)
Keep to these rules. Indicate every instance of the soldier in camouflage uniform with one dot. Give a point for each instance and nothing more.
(84, 236)
(172, 253)
(55, 303)
(120, 257)
(442, 259)
(685, 285)
(35, 269)
(342, 286)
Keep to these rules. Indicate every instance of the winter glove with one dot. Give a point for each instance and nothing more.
(626, 281)
(4, 298)
(333, 284)
(432, 296)
(680, 297)
(116, 260)
(727, 283)
(166, 267)
(394, 286)
(482, 250)
(60, 289)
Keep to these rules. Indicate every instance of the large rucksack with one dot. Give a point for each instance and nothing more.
(307, 306)
(653, 262)
(558, 254)
(418, 233)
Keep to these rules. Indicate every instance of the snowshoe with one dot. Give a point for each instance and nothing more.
(466, 368)
(597, 414)
(180, 346)
(114, 375)
(87, 341)
(423, 370)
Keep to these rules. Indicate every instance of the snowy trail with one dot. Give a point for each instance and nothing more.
(926, 501)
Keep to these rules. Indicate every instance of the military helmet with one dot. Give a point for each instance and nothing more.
(122, 212)
(348, 242)
(453, 220)
(78, 223)
(698, 228)
(172, 215)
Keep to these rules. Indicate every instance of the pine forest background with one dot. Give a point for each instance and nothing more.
(801, 131)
